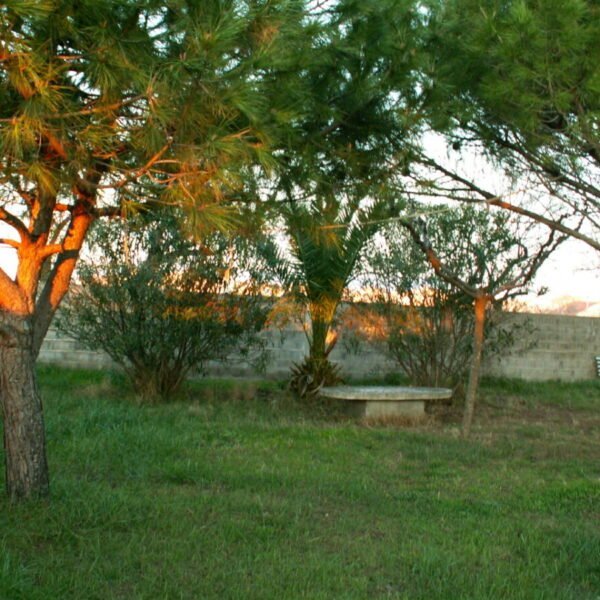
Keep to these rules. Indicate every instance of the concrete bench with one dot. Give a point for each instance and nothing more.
(374, 402)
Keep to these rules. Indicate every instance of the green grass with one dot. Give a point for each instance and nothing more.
(231, 493)
(578, 395)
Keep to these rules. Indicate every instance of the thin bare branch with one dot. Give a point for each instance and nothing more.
(494, 200)
(8, 242)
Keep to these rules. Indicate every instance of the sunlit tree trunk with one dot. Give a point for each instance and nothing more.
(481, 304)
(323, 338)
(24, 438)
(25, 315)
(316, 370)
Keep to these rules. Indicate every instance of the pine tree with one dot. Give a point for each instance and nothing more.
(104, 106)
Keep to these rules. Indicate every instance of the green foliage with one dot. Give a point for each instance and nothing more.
(309, 376)
(486, 249)
(161, 305)
(529, 64)
(153, 100)
(353, 92)
(325, 238)
(521, 79)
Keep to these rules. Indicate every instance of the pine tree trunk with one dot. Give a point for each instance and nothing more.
(24, 433)
(481, 303)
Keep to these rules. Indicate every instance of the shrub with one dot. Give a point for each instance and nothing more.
(161, 305)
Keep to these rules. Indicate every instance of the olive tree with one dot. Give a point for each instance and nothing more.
(426, 322)
(500, 264)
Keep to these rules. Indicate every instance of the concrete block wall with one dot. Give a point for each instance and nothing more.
(561, 347)
(64, 351)
(290, 347)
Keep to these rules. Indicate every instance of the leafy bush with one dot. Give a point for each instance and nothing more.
(161, 305)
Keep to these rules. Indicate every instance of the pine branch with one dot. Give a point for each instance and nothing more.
(11, 243)
(11, 298)
(15, 223)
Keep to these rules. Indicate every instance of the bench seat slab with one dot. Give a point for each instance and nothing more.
(374, 402)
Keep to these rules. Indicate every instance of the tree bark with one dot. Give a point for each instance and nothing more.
(481, 304)
(24, 433)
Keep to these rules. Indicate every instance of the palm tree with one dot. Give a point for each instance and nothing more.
(326, 237)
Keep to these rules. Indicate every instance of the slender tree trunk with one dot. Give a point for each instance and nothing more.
(24, 434)
(481, 303)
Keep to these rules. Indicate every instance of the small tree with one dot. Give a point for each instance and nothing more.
(161, 305)
(425, 322)
(493, 264)
(422, 322)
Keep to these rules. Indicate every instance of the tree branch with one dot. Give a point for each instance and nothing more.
(11, 243)
(59, 279)
(434, 260)
(11, 298)
(57, 284)
(493, 200)
(15, 223)
(551, 170)
(543, 252)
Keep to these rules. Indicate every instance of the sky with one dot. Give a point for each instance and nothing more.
(573, 271)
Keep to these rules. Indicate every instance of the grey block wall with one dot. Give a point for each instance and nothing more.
(562, 348)
(290, 347)
(64, 351)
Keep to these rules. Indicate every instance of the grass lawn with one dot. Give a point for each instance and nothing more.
(240, 492)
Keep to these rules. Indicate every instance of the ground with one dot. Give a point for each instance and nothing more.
(238, 491)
